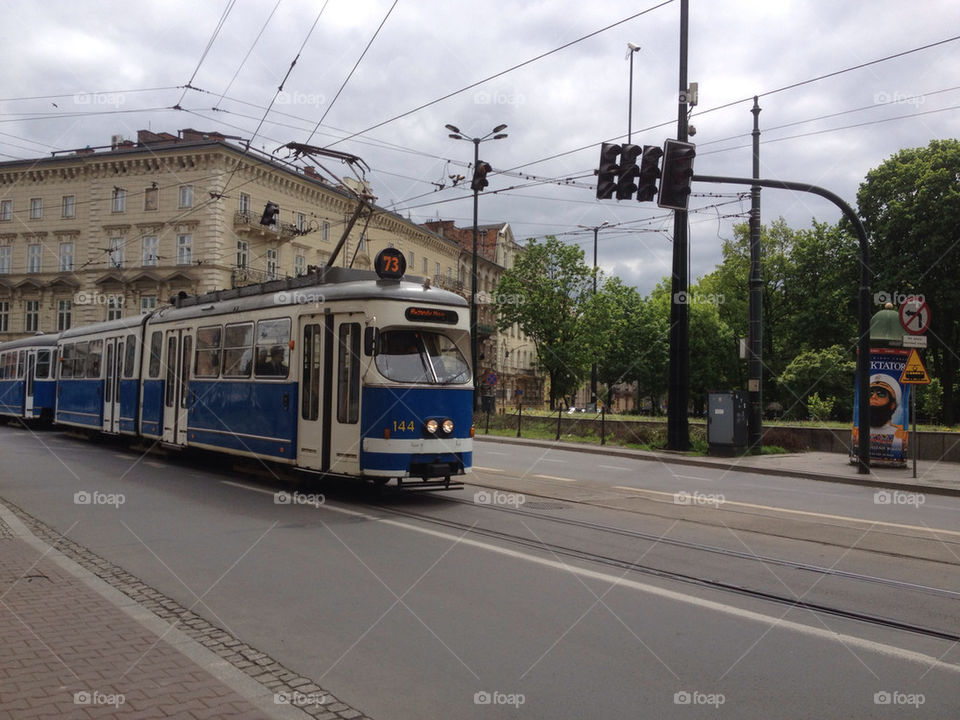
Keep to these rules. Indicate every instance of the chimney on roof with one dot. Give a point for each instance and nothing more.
(311, 171)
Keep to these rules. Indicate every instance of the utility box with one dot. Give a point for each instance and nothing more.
(727, 423)
(488, 404)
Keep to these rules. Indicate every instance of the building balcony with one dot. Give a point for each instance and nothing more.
(248, 223)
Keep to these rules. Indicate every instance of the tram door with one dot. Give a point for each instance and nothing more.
(177, 353)
(111, 385)
(28, 384)
(313, 427)
(345, 417)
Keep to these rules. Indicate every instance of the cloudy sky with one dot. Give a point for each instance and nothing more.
(384, 78)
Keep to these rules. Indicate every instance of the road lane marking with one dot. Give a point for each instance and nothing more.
(554, 477)
(807, 513)
(494, 452)
(693, 477)
(248, 487)
(614, 467)
(486, 469)
(672, 595)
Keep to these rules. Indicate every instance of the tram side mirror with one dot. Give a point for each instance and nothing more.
(371, 341)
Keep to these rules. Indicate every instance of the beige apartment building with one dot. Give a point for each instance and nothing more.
(100, 233)
(507, 367)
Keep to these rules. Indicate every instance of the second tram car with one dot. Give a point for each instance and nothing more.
(28, 378)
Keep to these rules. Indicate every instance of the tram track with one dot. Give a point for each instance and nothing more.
(686, 578)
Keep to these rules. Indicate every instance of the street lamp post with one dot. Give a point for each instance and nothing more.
(495, 134)
(593, 370)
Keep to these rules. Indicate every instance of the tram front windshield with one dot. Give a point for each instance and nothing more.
(413, 356)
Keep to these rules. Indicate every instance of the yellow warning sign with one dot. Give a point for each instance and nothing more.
(914, 373)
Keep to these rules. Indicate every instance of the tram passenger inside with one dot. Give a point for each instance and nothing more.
(275, 365)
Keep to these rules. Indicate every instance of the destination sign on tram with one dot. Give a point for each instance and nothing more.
(431, 315)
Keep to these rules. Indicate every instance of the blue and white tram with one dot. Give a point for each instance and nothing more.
(28, 378)
(342, 374)
(99, 377)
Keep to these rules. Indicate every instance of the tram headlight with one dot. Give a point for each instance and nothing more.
(432, 426)
(447, 426)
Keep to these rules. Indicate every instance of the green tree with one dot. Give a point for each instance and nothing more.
(911, 207)
(554, 285)
(713, 345)
(826, 373)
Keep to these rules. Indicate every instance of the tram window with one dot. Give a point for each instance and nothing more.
(448, 364)
(156, 343)
(3, 366)
(185, 371)
(130, 356)
(237, 350)
(21, 363)
(170, 385)
(80, 360)
(42, 371)
(420, 357)
(66, 360)
(348, 374)
(95, 358)
(273, 348)
(207, 362)
(310, 377)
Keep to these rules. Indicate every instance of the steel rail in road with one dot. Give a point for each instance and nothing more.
(727, 552)
(562, 550)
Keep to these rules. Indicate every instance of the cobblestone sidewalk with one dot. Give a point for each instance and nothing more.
(82, 638)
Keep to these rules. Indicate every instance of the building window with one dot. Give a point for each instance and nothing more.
(243, 254)
(68, 207)
(151, 198)
(116, 252)
(5, 252)
(150, 253)
(425, 266)
(299, 265)
(436, 269)
(186, 196)
(184, 249)
(66, 257)
(244, 203)
(114, 307)
(64, 308)
(148, 303)
(31, 319)
(34, 257)
(4, 316)
(271, 264)
(362, 247)
(325, 231)
(301, 222)
(411, 261)
(36, 208)
(6, 210)
(119, 200)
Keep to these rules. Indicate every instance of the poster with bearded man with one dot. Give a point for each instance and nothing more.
(889, 409)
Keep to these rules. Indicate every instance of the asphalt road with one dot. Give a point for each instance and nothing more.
(600, 601)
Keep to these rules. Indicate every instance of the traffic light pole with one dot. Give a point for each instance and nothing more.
(678, 394)
(863, 320)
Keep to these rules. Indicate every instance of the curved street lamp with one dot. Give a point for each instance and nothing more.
(495, 134)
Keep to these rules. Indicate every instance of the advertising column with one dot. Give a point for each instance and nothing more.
(889, 403)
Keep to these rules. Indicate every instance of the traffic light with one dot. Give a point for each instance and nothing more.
(480, 181)
(270, 213)
(677, 174)
(628, 172)
(607, 174)
(649, 173)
